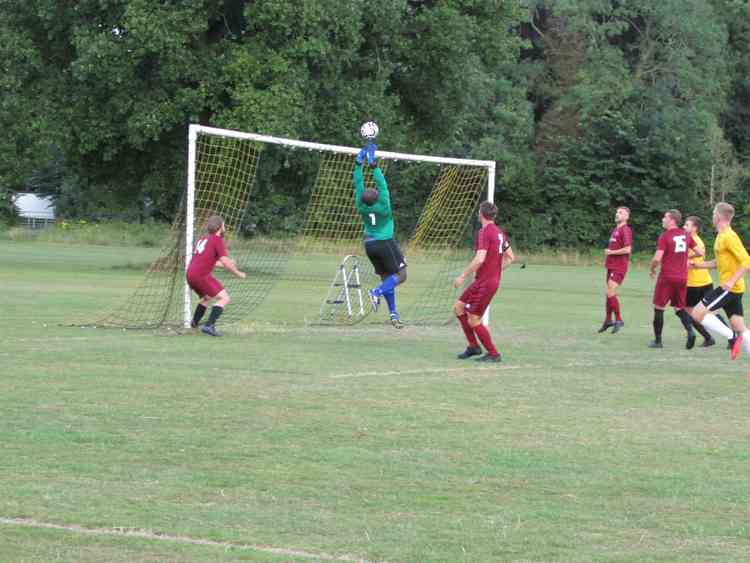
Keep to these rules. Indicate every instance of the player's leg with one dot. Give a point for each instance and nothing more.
(473, 349)
(734, 310)
(390, 299)
(703, 313)
(610, 291)
(202, 287)
(374, 254)
(200, 310)
(693, 298)
(395, 267)
(658, 325)
(679, 302)
(483, 333)
(221, 299)
(660, 301)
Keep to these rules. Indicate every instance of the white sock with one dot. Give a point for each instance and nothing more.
(716, 326)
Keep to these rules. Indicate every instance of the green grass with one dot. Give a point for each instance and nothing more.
(364, 441)
(114, 233)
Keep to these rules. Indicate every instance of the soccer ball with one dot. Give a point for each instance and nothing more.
(369, 130)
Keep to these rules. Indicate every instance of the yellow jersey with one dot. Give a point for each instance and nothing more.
(730, 256)
(698, 278)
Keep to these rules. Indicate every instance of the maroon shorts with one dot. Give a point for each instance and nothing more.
(207, 286)
(477, 297)
(617, 277)
(670, 291)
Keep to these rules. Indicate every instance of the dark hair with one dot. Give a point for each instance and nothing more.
(370, 196)
(488, 210)
(214, 223)
(695, 220)
(676, 215)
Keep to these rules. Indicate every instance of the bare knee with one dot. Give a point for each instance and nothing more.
(474, 321)
(459, 308)
(401, 275)
(698, 313)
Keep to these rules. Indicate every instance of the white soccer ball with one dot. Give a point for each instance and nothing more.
(369, 130)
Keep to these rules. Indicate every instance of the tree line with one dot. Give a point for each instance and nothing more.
(584, 104)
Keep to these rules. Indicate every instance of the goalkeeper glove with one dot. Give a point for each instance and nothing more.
(367, 153)
(361, 155)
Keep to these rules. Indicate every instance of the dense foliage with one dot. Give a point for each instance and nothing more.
(584, 104)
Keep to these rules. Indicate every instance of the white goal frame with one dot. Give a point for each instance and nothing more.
(194, 130)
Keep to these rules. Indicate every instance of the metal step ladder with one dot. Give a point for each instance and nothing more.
(345, 301)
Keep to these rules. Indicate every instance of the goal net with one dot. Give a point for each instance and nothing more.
(289, 279)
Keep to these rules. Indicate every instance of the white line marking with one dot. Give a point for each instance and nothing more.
(145, 534)
(430, 370)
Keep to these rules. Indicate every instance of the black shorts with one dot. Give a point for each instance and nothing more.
(695, 294)
(385, 256)
(720, 298)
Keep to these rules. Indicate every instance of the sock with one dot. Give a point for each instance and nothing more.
(388, 284)
(608, 309)
(200, 310)
(390, 298)
(702, 331)
(216, 312)
(484, 336)
(746, 341)
(616, 308)
(468, 331)
(716, 326)
(658, 324)
(686, 319)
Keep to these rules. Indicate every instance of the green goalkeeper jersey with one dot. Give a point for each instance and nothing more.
(377, 217)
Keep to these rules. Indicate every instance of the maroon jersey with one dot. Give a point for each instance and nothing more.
(674, 264)
(494, 241)
(620, 238)
(208, 250)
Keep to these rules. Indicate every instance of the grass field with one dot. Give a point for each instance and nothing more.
(294, 443)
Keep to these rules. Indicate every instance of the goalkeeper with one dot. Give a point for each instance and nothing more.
(374, 205)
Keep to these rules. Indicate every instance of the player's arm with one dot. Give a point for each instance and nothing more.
(383, 205)
(473, 266)
(707, 265)
(619, 251)
(229, 264)
(735, 246)
(508, 257)
(359, 184)
(656, 262)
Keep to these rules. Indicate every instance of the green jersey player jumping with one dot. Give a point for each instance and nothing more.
(374, 205)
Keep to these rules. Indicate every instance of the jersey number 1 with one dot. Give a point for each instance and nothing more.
(372, 218)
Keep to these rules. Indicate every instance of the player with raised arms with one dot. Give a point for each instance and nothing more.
(374, 205)
(733, 262)
(210, 251)
(493, 255)
(671, 258)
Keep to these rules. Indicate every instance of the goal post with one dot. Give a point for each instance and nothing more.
(244, 176)
(195, 162)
